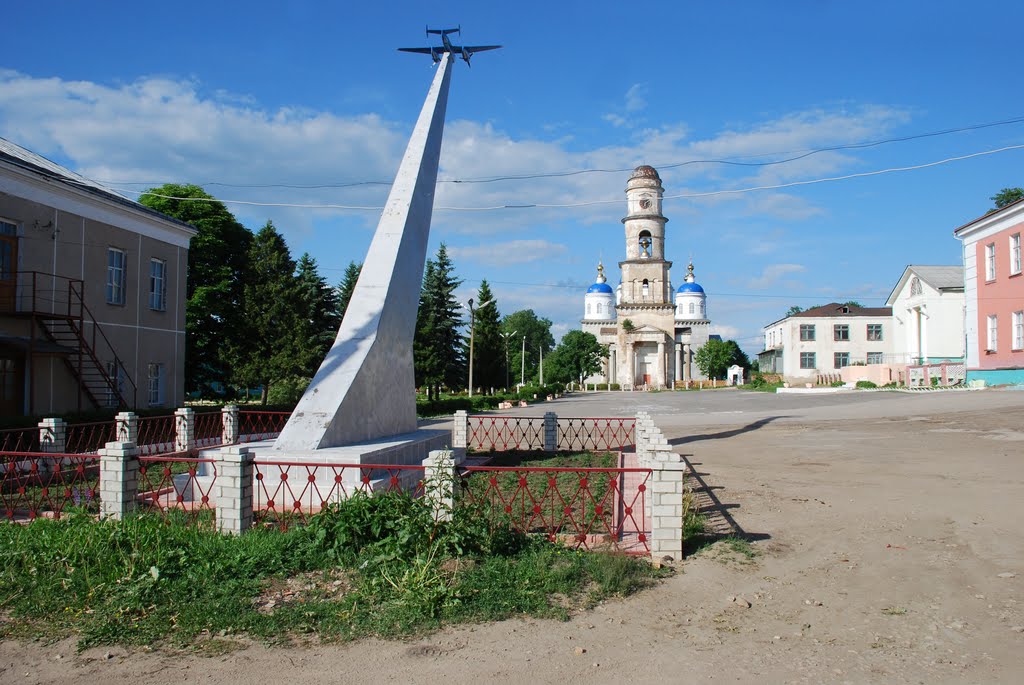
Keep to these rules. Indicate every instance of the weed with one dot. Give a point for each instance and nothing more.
(894, 611)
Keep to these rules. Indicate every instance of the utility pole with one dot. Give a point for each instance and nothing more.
(522, 370)
(472, 333)
(541, 348)
(506, 336)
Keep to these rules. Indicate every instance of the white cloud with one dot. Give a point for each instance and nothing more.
(510, 252)
(773, 275)
(727, 332)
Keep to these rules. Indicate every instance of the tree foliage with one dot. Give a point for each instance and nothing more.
(488, 346)
(578, 356)
(317, 307)
(437, 350)
(1007, 196)
(347, 286)
(537, 331)
(716, 356)
(217, 270)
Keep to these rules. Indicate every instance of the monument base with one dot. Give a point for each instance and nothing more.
(319, 469)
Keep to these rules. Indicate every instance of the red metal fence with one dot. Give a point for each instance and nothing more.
(598, 434)
(34, 485)
(260, 425)
(489, 432)
(178, 487)
(19, 440)
(500, 433)
(88, 438)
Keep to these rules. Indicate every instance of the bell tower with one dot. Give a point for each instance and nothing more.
(645, 273)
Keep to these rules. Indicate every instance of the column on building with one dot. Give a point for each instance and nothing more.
(679, 362)
(612, 361)
(687, 372)
(659, 367)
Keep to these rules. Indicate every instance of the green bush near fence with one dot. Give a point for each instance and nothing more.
(370, 566)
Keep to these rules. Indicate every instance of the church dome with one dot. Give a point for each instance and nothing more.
(600, 288)
(690, 288)
(645, 171)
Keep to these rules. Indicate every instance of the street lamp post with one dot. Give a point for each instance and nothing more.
(472, 333)
(541, 348)
(522, 370)
(506, 336)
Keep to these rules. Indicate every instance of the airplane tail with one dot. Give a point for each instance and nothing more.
(444, 32)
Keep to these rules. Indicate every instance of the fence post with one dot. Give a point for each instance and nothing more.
(460, 430)
(229, 423)
(184, 430)
(119, 479)
(668, 472)
(439, 480)
(550, 431)
(53, 435)
(127, 427)
(234, 485)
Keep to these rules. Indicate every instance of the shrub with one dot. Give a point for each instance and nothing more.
(866, 384)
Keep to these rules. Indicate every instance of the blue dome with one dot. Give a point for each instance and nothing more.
(600, 288)
(690, 288)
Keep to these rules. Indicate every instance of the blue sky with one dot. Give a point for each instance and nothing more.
(232, 95)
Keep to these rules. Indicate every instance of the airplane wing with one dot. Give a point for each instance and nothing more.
(422, 51)
(478, 48)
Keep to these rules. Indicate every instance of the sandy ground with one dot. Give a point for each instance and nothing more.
(887, 549)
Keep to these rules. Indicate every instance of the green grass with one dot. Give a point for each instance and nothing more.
(370, 566)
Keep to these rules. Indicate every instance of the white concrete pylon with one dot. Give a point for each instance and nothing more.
(365, 387)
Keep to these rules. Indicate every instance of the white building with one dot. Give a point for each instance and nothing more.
(824, 339)
(928, 315)
(651, 331)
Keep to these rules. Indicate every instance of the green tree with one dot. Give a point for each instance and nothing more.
(437, 349)
(347, 286)
(537, 331)
(578, 356)
(1007, 196)
(270, 349)
(318, 307)
(716, 356)
(488, 346)
(795, 309)
(217, 269)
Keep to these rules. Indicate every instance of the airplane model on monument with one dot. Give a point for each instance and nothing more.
(361, 404)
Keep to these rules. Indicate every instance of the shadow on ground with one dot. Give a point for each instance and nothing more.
(760, 423)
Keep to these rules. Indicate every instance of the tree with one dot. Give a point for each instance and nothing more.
(488, 346)
(270, 349)
(716, 356)
(578, 355)
(437, 349)
(318, 307)
(347, 286)
(537, 331)
(217, 269)
(1007, 196)
(795, 309)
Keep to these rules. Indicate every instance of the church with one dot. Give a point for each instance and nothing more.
(651, 331)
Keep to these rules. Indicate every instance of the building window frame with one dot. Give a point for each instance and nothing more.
(155, 382)
(117, 276)
(841, 332)
(807, 333)
(840, 359)
(993, 333)
(990, 262)
(808, 360)
(1018, 331)
(875, 358)
(1015, 261)
(874, 332)
(158, 284)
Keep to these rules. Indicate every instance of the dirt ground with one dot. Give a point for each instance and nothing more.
(887, 548)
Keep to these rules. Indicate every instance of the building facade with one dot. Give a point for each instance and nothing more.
(822, 340)
(994, 295)
(92, 293)
(652, 332)
(928, 315)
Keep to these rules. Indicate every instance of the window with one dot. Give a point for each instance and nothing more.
(115, 372)
(600, 308)
(693, 308)
(117, 261)
(993, 333)
(807, 360)
(915, 286)
(840, 332)
(990, 262)
(1015, 253)
(156, 385)
(874, 332)
(876, 358)
(841, 359)
(8, 229)
(1018, 330)
(807, 331)
(646, 288)
(157, 284)
(588, 308)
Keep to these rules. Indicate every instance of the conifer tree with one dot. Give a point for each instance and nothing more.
(318, 307)
(347, 286)
(437, 350)
(488, 345)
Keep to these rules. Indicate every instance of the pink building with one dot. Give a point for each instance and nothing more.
(994, 289)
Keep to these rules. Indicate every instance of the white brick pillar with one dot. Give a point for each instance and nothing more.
(53, 435)
(460, 430)
(234, 488)
(119, 479)
(229, 424)
(184, 430)
(668, 473)
(550, 431)
(127, 427)
(439, 480)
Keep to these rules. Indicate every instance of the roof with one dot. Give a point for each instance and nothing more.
(690, 288)
(835, 310)
(600, 288)
(986, 215)
(30, 161)
(942, 278)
